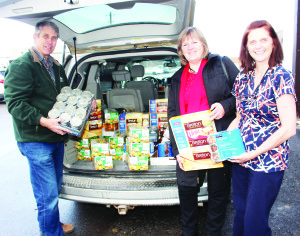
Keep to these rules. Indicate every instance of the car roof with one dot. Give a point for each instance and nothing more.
(97, 24)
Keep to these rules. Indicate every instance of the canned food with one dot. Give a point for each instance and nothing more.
(163, 149)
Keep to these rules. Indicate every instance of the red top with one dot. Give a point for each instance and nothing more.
(192, 91)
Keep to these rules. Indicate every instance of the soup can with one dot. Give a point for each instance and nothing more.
(163, 149)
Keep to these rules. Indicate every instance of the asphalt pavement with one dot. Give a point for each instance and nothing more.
(18, 208)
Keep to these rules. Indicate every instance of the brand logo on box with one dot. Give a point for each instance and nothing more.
(199, 142)
(176, 123)
(193, 125)
(201, 155)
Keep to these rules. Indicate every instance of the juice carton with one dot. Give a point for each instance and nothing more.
(190, 132)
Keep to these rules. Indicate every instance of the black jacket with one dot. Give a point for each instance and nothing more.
(218, 89)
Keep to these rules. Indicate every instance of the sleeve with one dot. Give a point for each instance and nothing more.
(283, 83)
(229, 104)
(19, 84)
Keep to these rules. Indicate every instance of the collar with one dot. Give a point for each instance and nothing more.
(36, 57)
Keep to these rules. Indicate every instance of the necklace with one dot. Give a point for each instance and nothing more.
(192, 70)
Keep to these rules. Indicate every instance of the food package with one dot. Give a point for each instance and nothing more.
(84, 154)
(158, 119)
(133, 119)
(158, 105)
(138, 134)
(138, 163)
(146, 121)
(226, 144)
(74, 106)
(138, 149)
(87, 134)
(82, 144)
(103, 162)
(116, 147)
(99, 149)
(190, 132)
(111, 117)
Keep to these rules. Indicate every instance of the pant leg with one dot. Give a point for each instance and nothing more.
(239, 195)
(219, 184)
(188, 197)
(44, 181)
(263, 189)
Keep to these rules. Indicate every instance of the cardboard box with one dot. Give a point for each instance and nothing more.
(226, 144)
(82, 144)
(99, 149)
(138, 163)
(158, 119)
(158, 105)
(162, 161)
(116, 147)
(133, 119)
(84, 154)
(139, 149)
(190, 132)
(103, 162)
(138, 134)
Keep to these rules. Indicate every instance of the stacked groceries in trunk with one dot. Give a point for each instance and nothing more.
(118, 134)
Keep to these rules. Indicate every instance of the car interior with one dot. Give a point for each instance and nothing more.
(128, 82)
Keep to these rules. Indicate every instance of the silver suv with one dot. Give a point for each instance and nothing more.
(109, 37)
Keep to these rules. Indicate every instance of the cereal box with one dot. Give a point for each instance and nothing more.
(103, 162)
(226, 144)
(190, 132)
(158, 105)
(138, 163)
(84, 154)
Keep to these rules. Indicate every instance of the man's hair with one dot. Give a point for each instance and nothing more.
(192, 32)
(41, 24)
(276, 57)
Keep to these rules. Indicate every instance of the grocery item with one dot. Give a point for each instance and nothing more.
(84, 154)
(138, 163)
(53, 113)
(138, 134)
(66, 118)
(158, 105)
(226, 144)
(111, 117)
(133, 119)
(190, 132)
(103, 162)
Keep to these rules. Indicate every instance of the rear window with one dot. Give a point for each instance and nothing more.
(87, 19)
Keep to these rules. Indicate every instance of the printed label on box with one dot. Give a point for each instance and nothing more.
(226, 144)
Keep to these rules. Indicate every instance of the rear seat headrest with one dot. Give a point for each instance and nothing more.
(137, 71)
(120, 75)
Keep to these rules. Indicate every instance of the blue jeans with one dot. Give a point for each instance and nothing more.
(254, 194)
(46, 168)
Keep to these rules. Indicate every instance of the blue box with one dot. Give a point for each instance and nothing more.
(226, 144)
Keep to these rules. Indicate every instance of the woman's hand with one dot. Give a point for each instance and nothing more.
(247, 156)
(217, 111)
(180, 161)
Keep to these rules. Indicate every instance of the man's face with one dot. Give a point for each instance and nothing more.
(46, 41)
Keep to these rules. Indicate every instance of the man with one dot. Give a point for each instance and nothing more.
(32, 83)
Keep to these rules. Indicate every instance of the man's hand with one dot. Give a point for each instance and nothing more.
(53, 125)
(217, 111)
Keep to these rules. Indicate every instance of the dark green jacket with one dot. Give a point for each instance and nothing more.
(29, 94)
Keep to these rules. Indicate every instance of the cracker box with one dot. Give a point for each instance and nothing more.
(158, 105)
(146, 121)
(84, 154)
(226, 144)
(138, 163)
(103, 162)
(138, 134)
(158, 119)
(190, 132)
